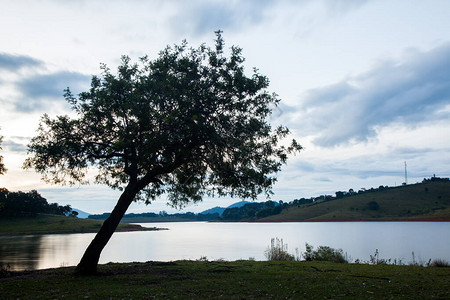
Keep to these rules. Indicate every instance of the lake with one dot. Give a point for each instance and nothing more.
(233, 241)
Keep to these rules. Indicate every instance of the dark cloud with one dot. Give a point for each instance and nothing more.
(409, 93)
(40, 90)
(12, 62)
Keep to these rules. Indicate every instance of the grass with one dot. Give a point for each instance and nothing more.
(423, 201)
(45, 224)
(232, 280)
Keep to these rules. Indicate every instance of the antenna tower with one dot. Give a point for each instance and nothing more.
(406, 175)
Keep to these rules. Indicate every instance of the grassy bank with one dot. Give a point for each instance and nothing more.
(44, 224)
(232, 280)
(423, 201)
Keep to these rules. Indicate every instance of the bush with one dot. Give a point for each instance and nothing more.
(5, 270)
(440, 263)
(278, 251)
(373, 205)
(324, 253)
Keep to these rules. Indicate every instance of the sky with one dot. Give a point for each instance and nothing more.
(365, 84)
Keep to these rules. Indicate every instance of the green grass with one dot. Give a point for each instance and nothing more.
(232, 280)
(44, 224)
(413, 202)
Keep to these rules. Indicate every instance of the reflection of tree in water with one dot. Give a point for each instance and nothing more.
(21, 253)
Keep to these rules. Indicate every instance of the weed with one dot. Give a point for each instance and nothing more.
(375, 260)
(278, 251)
(203, 258)
(220, 259)
(419, 263)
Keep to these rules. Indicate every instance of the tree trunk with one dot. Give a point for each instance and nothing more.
(89, 261)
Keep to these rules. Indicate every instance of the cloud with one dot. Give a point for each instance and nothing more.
(12, 62)
(16, 144)
(414, 91)
(205, 17)
(339, 7)
(40, 90)
(202, 17)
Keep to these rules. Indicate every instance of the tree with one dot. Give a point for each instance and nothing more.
(373, 205)
(188, 124)
(2, 165)
(16, 204)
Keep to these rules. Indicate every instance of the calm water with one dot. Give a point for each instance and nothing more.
(232, 241)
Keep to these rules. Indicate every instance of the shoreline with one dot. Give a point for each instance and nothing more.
(351, 220)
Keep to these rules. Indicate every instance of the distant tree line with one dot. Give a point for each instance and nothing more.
(189, 216)
(435, 179)
(253, 211)
(15, 204)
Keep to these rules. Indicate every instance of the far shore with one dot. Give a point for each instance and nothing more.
(53, 224)
(354, 220)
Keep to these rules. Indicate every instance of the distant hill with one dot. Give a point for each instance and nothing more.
(81, 214)
(220, 210)
(239, 204)
(214, 210)
(429, 200)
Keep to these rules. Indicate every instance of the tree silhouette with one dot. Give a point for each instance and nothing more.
(188, 124)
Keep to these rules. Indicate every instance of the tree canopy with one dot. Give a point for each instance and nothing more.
(17, 204)
(187, 124)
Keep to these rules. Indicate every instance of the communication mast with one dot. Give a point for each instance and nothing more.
(406, 175)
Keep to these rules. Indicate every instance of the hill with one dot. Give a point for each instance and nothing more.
(81, 214)
(217, 209)
(220, 210)
(423, 201)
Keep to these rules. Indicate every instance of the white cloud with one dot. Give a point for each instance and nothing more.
(410, 93)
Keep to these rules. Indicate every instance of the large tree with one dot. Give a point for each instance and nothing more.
(187, 124)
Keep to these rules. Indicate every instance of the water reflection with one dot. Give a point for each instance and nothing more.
(20, 253)
(232, 241)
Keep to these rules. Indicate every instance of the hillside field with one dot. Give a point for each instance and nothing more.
(422, 201)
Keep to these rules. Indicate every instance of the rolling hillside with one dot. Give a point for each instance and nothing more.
(422, 201)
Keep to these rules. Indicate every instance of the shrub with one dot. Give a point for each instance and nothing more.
(278, 251)
(324, 253)
(373, 205)
(440, 263)
(5, 270)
